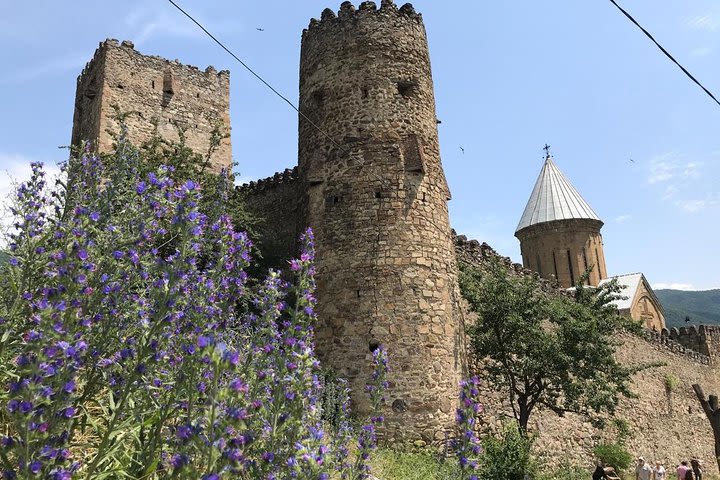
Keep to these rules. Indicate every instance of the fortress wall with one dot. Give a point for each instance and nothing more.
(274, 202)
(703, 338)
(151, 88)
(375, 193)
(665, 425)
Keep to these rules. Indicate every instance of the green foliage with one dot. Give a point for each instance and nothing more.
(700, 307)
(546, 350)
(219, 195)
(623, 429)
(507, 457)
(671, 382)
(398, 465)
(565, 471)
(614, 454)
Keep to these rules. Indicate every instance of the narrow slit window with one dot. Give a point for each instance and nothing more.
(570, 266)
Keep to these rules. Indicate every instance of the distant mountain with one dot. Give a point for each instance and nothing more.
(700, 307)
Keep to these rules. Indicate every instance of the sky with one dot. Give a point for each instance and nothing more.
(637, 139)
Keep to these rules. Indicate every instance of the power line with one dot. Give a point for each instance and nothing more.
(667, 54)
(255, 74)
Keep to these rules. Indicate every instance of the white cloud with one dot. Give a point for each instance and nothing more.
(673, 286)
(155, 19)
(692, 206)
(242, 180)
(671, 166)
(14, 169)
(51, 66)
(707, 21)
(622, 218)
(701, 52)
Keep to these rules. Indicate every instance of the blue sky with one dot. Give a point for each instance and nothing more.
(509, 77)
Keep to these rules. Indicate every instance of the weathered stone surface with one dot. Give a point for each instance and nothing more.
(667, 426)
(151, 89)
(376, 195)
(564, 249)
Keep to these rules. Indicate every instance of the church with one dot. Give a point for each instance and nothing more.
(560, 239)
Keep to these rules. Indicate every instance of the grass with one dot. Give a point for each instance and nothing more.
(390, 464)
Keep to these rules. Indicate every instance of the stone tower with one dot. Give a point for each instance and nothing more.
(559, 233)
(375, 193)
(151, 89)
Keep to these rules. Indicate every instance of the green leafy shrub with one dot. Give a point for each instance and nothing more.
(507, 457)
(615, 454)
(398, 465)
(565, 471)
(671, 382)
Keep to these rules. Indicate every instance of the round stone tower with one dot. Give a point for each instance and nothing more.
(559, 232)
(376, 196)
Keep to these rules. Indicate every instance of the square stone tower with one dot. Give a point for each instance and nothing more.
(151, 89)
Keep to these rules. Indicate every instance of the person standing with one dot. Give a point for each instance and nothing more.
(682, 470)
(659, 471)
(643, 470)
(695, 465)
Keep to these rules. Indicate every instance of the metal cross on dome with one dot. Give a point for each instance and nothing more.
(547, 150)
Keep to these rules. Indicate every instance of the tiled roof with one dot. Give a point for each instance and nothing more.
(554, 198)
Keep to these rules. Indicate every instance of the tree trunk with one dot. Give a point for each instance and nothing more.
(523, 417)
(712, 410)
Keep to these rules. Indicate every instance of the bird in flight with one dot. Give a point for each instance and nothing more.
(260, 29)
(633, 161)
(463, 150)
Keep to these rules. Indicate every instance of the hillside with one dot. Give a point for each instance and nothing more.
(701, 307)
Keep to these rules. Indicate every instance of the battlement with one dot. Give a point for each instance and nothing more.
(701, 338)
(278, 179)
(479, 254)
(666, 340)
(348, 13)
(111, 43)
(160, 96)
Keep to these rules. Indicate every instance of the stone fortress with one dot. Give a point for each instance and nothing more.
(369, 181)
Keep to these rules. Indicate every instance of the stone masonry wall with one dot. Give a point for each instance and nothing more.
(667, 426)
(151, 89)
(375, 193)
(274, 202)
(703, 338)
(563, 249)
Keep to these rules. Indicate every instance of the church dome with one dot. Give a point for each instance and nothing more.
(554, 198)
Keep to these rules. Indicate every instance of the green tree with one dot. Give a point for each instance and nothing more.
(546, 349)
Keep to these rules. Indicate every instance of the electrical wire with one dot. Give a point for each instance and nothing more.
(253, 72)
(667, 54)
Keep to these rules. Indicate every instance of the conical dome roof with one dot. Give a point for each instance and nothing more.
(554, 198)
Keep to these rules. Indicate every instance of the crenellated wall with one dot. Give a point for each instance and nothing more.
(703, 338)
(375, 193)
(667, 425)
(273, 202)
(151, 90)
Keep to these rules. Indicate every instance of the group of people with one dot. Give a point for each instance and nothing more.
(646, 471)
